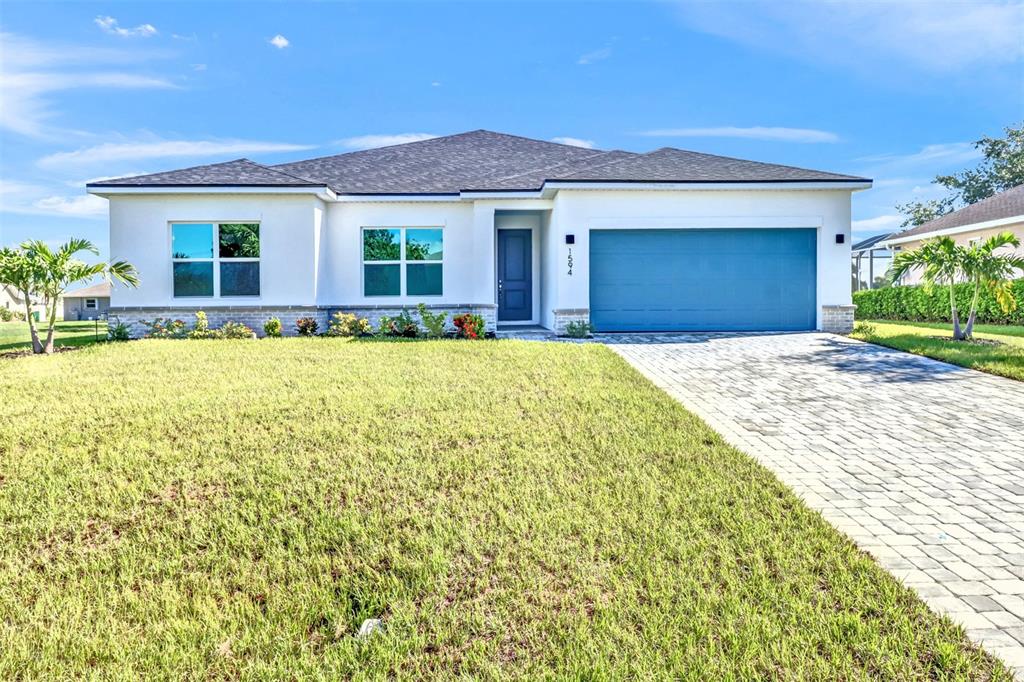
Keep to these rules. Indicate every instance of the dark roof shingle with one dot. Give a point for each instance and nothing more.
(1006, 204)
(238, 172)
(479, 160)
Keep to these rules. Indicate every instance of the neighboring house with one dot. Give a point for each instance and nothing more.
(1003, 212)
(89, 303)
(520, 231)
(871, 262)
(11, 299)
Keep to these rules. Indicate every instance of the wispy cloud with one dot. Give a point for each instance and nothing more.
(888, 222)
(110, 25)
(113, 152)
(774, 134)
(932, 154)
(26, 198)
(574, 141)
(279, 41)
(31, 72)
(936, 36)
(372, 141)
(594, 56)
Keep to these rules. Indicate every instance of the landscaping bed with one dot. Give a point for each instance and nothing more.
(509, 509)
(995, 353)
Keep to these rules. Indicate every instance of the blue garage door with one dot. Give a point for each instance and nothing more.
(703, 280)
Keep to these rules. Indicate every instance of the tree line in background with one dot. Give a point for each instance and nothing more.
(1001, 168)
(39, 272)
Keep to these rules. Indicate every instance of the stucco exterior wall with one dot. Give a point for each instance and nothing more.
(964, 238)
(311, 256)
(140, 233)
(578, 212)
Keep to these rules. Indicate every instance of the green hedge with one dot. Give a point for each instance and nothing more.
(916, 304)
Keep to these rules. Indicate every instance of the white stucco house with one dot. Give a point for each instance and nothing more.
(521, 231)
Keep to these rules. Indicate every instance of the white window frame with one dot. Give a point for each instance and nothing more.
(95, 304)
(216, 260)
(402, 261)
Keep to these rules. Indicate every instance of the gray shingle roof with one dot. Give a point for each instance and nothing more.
(676, 165)
(479, 160)
(1006, 204)
(101, 290)
(237, 172)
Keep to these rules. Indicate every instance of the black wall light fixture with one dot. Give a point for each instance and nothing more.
(840, 239)
(570, 239)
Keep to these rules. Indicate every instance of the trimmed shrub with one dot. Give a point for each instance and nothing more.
(202, 329)
(434, 322)
(578, 329)
(272, 327)
(402, 324)
(235, 330)
(469, 326)
(916, 304)
(118, 331)
(306, 326)
(347, 324)
(6, 315)
(165, 328)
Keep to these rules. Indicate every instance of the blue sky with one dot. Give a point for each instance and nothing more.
(894, 91)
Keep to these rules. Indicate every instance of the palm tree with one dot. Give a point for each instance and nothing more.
(36, 269)
(983, 266)
(942, 261)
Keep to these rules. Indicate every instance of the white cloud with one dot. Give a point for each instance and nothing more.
(279, 41)
(436, 84)
(937, 36)
(773, 134)
(84, 206)
(109, 25)
(26, 198)
(28, 80)
(882, 223)
(929, 155)
(574, 142)
(113, 152)
(373, 141)
(594, 56)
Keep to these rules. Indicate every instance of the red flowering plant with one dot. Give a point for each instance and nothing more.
(469, 326)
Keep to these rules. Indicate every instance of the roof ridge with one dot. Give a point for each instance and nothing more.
(284, 173)
(544, 169)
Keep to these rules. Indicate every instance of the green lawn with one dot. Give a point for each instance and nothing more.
(1006, 358)
(981, 330)
(15, 335)
(510, 509)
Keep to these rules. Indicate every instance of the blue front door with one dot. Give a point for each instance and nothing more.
(703, 280)
(515, 275)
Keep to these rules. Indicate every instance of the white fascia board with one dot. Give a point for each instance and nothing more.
(323, 192)
(498, 194)
(986, 225)
(396, 198)
(551, 187)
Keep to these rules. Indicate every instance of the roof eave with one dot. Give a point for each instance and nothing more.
(106, 190)
(958, 229)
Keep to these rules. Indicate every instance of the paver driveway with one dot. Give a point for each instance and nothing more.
(920, 462)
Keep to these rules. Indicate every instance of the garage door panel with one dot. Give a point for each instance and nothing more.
(713, 279)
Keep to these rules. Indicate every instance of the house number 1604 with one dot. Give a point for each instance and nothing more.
(570, 261)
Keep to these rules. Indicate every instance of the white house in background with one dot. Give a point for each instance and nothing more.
(1003, 212)
(11, 299)
(520, 231)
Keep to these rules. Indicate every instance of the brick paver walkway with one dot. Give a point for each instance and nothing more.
(920, 462)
